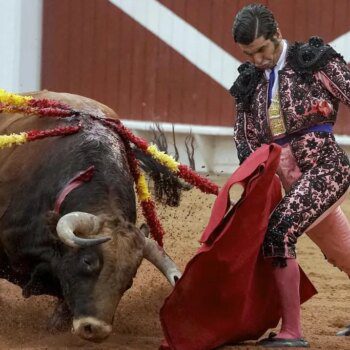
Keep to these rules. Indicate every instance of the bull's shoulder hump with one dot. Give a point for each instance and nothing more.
(77, 102)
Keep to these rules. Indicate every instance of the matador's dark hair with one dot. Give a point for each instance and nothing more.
(253, 21)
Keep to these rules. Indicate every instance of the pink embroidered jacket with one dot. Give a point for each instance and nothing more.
(311, 85)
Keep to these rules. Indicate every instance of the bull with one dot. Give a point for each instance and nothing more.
(87, 253)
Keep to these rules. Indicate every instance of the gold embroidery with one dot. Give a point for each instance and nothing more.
(276, 121)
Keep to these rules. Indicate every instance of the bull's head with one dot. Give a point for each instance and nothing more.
(96, 272)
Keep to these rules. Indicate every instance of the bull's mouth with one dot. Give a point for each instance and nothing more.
(91, 328)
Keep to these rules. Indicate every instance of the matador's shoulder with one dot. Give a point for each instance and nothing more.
(244, 87)
(308, 58)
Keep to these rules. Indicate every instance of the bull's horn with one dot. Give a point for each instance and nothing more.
(84, 223)
(157, 256)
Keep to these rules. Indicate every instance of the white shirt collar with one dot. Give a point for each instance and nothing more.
(281, 61)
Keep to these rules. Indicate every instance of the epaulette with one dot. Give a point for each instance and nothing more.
(308, 58)
(245, 85)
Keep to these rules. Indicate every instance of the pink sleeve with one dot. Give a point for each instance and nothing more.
(245, 134)
(335, 77)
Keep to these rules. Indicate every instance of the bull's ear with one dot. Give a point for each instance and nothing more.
(145, 229)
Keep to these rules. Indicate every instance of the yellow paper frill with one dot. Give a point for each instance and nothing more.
(7, 98)
(13, 139)
(142, 188)
(163, 158)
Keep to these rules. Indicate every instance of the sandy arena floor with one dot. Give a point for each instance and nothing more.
(136, 326)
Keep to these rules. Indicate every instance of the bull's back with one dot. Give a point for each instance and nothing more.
(32, 175)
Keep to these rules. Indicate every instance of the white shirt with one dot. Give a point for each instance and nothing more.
(280, 64)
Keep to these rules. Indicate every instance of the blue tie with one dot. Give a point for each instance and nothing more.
(271, 82)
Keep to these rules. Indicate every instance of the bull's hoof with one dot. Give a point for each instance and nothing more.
(345, 332)
(61, 319)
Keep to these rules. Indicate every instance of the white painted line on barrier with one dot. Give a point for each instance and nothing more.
(184, 38)
(180, 128)
(208, 130)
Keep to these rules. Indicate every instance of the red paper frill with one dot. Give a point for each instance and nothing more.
(62, 131)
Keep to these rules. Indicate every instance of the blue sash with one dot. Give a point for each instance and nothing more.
(328, 127)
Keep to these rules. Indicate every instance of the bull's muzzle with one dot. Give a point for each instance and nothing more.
(91, 328)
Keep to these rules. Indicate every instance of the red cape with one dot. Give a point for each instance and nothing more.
(227, 292)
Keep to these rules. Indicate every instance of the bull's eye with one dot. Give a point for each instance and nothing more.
(87, 262)
(90, 264)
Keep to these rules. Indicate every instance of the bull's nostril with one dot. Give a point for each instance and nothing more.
(88, 329)
(176, 279)
(91, 328)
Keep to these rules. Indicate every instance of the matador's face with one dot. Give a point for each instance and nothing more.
(264, 53)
